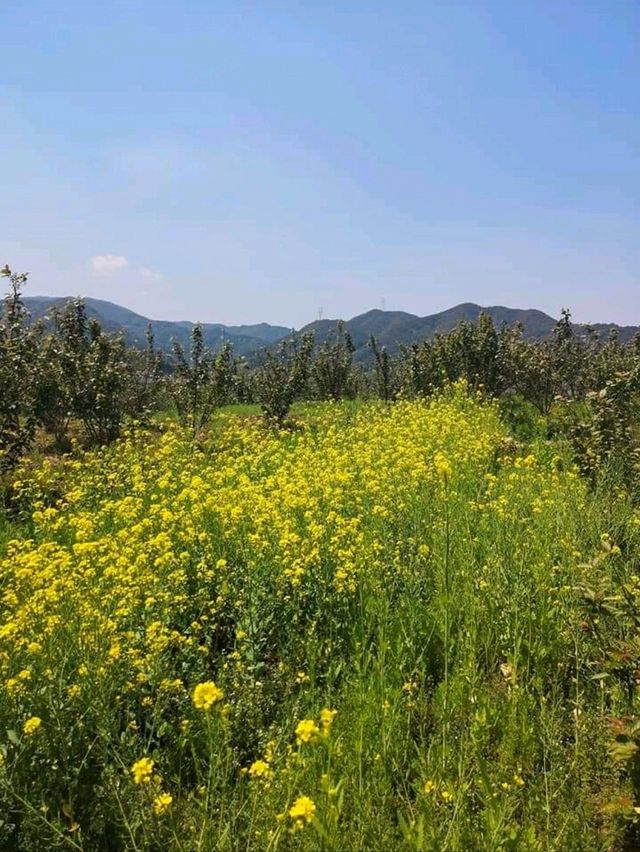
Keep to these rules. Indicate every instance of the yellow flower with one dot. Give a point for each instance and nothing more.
(142, 770)
(326, 720)
(205, 695)
(161, 803)
(428, 788)
(260, 769)
(302, 812)
(442, 465)
(31, 725)
(307, 731)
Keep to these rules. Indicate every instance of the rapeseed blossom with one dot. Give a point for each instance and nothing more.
(161, 565)
(32, 725)
(307, 731)
(162, 803)
(302, 812)
(260, 769)
(142, 770)
(443, 466)
(206, 694)
(326, 720)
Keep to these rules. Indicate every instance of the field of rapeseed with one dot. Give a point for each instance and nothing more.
(364, 634)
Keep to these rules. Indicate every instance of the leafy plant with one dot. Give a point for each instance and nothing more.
(20, 366)
(331, 370)
(202, 381)
(283, 376)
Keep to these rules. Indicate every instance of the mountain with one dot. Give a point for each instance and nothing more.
(397, 328)
(246, 339)
(390, 328)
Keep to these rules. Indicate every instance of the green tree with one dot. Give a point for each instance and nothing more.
(90, 374)
(202, 380)
(283, 376)
(19, 372)
(332, 367)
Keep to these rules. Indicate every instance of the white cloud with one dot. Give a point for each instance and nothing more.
(104, 264)
(151, 274)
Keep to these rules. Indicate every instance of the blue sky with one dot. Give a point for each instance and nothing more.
(239, 162)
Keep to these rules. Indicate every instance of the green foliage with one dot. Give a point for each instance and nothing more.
(202, 381)
(283, 377)
(522, 417)
(20, 366)
(386, 372)
(331, 369)
(608, 436)
(89, 374)
(144, 368)
(474, 352)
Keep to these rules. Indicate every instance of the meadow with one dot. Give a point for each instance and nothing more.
(390, 627)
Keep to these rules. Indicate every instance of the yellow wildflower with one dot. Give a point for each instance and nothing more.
(442, 465)
(161, 803)
(142, 770)
(31, 725)
(307, 731)
(302, 812)
(260, 769)
(326, 720)
(206, 694)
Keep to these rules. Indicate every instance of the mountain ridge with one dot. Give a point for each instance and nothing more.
(246, 339)
(392, 329)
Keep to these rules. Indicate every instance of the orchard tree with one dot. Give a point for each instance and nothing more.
(283, 376)
(20, 365)
(332, 367)
(202, 380)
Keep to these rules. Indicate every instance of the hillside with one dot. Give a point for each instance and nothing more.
(391, 328)
(397, 328)
(246, 339)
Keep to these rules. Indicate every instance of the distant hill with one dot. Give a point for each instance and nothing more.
(246, 339)
(397, 328)
(391, 328)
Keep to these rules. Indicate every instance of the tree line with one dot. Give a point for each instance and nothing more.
(68, 377)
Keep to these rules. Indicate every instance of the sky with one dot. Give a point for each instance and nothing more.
(279, 161)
